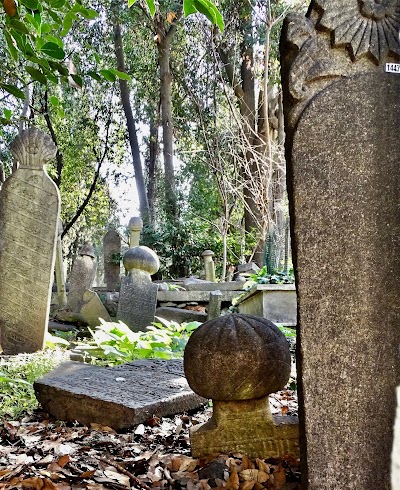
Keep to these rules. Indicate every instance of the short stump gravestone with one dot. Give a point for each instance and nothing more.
(82, 276)
(29, 214)
(118, 397)
(342, 121)
(237, 361)
(112, 259)
(138, 297)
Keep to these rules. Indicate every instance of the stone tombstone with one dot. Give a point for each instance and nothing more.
(237, 361)
(136, 227)
(59, 269)
(29, 214)
(209, 266)
(138, 295)
(112, 252)
(82, 276)
(342, 118)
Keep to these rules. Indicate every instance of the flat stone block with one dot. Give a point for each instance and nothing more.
(92, 309)
(180, 315)
(199, 296)
(246, 427)
(214, 286)
(118, 397)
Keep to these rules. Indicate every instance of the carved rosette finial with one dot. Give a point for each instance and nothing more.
(33, 148)
(365, 27)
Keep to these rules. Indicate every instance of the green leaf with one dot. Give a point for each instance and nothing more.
(30, 4)
(55, 17)
(19, 26)
(96, 57)
(7, 113)
(122, 75)
(77, 79)
(13, 90)
(54, 101)
(56, 4)
(67, 24)
(54, 39)
(11, 48)
(94, 75)
(206, 8)
(131, 2)
(188, 7)
(61, 112)
(62, 69)
(36, 74)
(108, 75)
(53, 50)
(46, 28)
(152, 7)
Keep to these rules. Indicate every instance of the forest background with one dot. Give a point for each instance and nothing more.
(186, 95)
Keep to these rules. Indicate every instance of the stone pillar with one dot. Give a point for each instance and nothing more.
(82, 276)
(138, 296)
(29, 214)
(342, 117)
(59, 269)
(136, 227)
(112, 259)
(214, 305)
(209, 266)
(237, 361)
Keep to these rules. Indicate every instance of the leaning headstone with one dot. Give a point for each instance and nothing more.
(29, 213)
(138, 296)
(342, 116)
(118, 397)
(92, 309)
(237, 361)
(396, 448)
(112, 259)
(82, 276)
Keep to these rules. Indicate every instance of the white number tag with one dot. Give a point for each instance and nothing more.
(392, 68)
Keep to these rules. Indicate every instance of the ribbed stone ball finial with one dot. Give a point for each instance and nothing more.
(33, 148)
(142, 258)
(237, 357)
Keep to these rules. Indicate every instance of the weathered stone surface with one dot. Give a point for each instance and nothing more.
(277, 302)
(214, 305)
(142, 258)
(29, 213)
(82, 276)
(180, 315)
(342, 120)
(136, 226)
(212, 286)
(209, 266)
(59, 269)
(238, 360)
(237, 357)
(199, 296)
(118, 397)
(112, 257)
(246, 427)
(396, 448)
(92, 309)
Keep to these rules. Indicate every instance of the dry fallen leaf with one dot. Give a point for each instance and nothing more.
(170, 17)
(63, 460)
(263, 466)
(233, 480)
(9, 7)
(247, 485)
(246, 463)
(120, 478)
(38, 483)
(256, 475)
(279, 478)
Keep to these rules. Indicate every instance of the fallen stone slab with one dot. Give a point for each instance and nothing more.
(180, 315)
(118, 397)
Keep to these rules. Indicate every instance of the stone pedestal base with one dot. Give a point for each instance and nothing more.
(246, 427)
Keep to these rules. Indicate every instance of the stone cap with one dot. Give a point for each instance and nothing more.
(87, 249)
(136, 223)
(142, 258)
(33, 148)
(208, 253)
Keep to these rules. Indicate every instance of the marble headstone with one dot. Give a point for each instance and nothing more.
(342, 117)
(29, 214)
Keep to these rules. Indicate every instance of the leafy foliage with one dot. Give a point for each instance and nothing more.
(264, 277)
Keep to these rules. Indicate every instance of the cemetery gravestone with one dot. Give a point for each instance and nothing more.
(136, 226)
(29, 214)
(82, 276)
(342, 117)
(59, 269)
(138, 296)
(112, 258)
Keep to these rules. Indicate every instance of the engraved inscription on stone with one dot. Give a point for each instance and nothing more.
(29, 210)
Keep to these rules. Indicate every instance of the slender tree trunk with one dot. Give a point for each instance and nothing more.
(152, 162)
(164, 54)
(130, 120)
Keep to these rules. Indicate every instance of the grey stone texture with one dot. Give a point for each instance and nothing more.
(209, 265)
(112, 251)
(118, 397)
(214, 305)
(92, 309)
(138, 296)
(342, 122)
(180, 315)
(238, 360)
(396, 448)
(136, 226)
(277, 302)
(82, 276)
(29, 214)
(59, 269)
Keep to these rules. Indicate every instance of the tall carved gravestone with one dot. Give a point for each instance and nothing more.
(82, 276)
(29, 213)
(112, 258)
(342, 115)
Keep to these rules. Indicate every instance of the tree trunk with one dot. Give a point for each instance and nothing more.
(130, 120)
(152, 163)
(164, 53)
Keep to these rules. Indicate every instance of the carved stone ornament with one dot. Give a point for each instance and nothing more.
(33, 148)
(366, 27)
(337, 38)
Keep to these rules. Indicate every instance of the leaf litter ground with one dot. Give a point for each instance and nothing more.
(40, 453)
